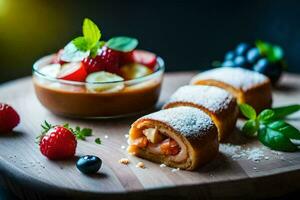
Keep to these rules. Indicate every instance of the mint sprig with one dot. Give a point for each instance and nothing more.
(90, 38)
(89, 43)
(270, 128)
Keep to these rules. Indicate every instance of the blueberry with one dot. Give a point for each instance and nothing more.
(253, 55)
(271, 70)
(229, 55)
(228, 63)
(89, 164)
(240, 61)
(242, 49)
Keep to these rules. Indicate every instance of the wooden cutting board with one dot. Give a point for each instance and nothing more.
(32, 176)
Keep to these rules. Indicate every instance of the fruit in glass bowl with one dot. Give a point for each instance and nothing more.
(92, 78)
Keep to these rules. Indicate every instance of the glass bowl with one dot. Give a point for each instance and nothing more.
(75, 99)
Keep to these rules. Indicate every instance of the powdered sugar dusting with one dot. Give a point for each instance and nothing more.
(210, 97)
(255, 154)
(187, 120)
(237, 77)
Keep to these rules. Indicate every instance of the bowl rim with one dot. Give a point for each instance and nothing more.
(45, 60)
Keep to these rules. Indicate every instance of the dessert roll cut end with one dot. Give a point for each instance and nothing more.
(219, 104)
(247, 86)
(182, 137)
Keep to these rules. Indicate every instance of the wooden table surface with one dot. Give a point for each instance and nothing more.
(31, 176)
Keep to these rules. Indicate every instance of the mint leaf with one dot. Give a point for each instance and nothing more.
(281, 112)
(285, 128)
(275, 139)
(81, 43)
(266, 115)
(248, 111)
(98, 141)
(90, 32)
(122, 43)
(94, 50)
(250, 128)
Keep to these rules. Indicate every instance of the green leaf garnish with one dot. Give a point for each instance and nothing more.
(281, 112)
(270, 129)
(250, 128)
(275, 139)
(285, 128)
(98, 141)
(248, 111)
(122, 43)
(91, 32)
(273, 53)
(82, 133)
(90, 39)
(266, 115)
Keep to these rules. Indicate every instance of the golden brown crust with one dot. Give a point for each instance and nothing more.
(200, 147)
(259, 96)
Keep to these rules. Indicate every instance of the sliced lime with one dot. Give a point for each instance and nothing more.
(134, 70)
(104, 81)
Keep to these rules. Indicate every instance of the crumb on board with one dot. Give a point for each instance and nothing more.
(123, 147)
(105, 136)
(126, 136)
(162, 165)
(140, 165)
(124, 161)
(175, 169)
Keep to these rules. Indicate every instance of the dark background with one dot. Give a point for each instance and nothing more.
(187, 34)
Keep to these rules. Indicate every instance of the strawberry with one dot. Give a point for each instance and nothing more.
(57, 142)
(73, 72)
(126, 58)
(57, 58)
(108, 60)
(141, 57)
(92, 65)
(9, 118)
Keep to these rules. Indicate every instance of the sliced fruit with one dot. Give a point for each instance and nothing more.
(134, 70)
(169, 147)
(104, 81)
(57, 58)
(51, 70)
(144, 57)
(141, 142)
(73, 72)
(153, 135)
(93, 65)
(109, 59)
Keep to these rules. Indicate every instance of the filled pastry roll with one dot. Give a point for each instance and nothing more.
(219, 104)
(247, 86)
(182, 137)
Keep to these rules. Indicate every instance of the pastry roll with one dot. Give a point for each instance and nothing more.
(247, 86)
(182, 137)
(219, 104)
